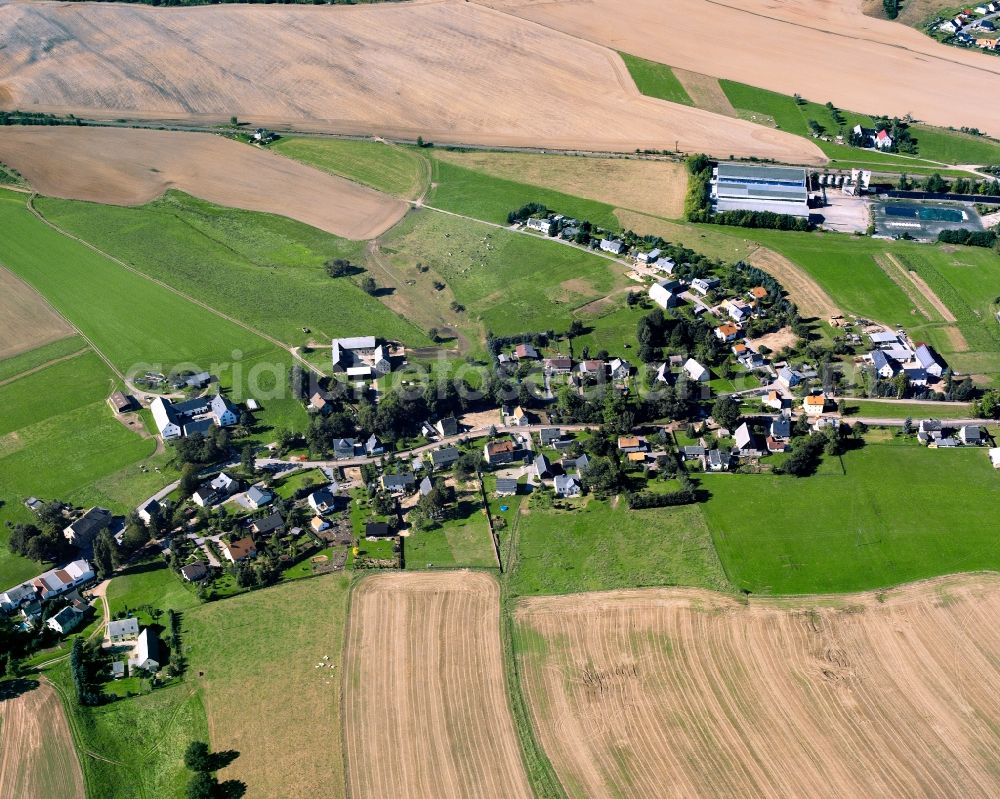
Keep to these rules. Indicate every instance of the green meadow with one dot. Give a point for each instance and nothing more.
(135, 321)
(149, 583)
(129, 318)
(482, 196)
(462, 540)
(139, 742)
(59, 440)
(599, 546)
(394, 169)
(889, 513)
(264, 270)
(510, 282)
(656, 80)
(934, 144)
(32, 359)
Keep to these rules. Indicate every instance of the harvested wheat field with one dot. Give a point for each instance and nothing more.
(26, 319)
(651, 187)
(822, 49)
(424, 701)
(123, 166)
(444, 69)
(684, 693)
(37, 758)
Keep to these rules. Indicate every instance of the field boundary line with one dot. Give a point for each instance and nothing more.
(68, 321)
(204, 305)
(541, 773)
(45, 365)
(897, 273)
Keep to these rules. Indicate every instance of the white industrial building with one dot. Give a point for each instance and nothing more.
(779, 189)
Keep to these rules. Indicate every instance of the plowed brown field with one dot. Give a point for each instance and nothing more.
(125, 166)
(822, 49)
(682, 693)
(424, 701)
(37, 760)
(444, 69)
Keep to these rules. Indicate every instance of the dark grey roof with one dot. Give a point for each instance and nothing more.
(542, 465)
(506, 485)
(549, 434)
(196, 426)
(188, 407)
(445, 456)
(781, 428)
(377, 530)
(269, 523)
(448, 426)
(194, 571)
(403, 480)
(91, 523)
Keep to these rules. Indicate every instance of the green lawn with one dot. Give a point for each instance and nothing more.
(599, 547)
(611, 329)
(263, 693)
(656, 80)
(62, 448)
(397, 170)
(900, 513)
(508, 281)
(150, 583)
(463, 540)
(482, 196)
(32, 359)
(915, 411)
(289, 485)
(265, 270)
(139, 741)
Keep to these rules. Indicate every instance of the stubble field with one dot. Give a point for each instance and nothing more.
(36, 749)
(125, 166)
(443, 69)
(823, 51)
(424, 701)
(686, 693)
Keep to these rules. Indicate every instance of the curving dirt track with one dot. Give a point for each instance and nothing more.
(125, 166)
(37, 758)
(809, 297)
(444, 69)
(822, 49)
(424, 702)
(683, 693)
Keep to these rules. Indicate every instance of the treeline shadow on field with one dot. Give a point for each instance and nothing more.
(12, 689)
